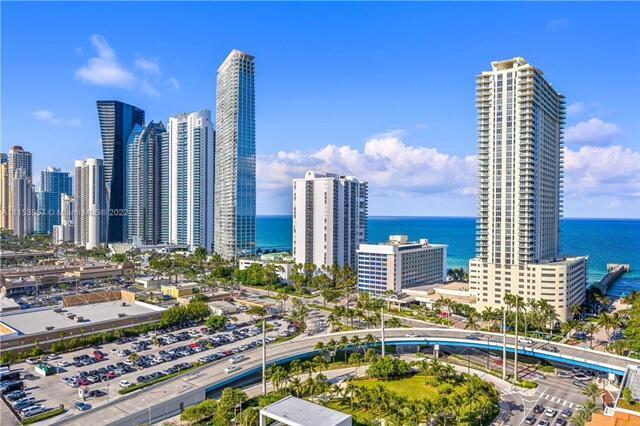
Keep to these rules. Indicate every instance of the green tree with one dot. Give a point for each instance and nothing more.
(216, 322)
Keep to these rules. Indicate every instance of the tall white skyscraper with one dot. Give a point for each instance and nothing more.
(520, 159)
(191, 179)
(329, 219)
(235, 190)
(64, 232)
(91, 210)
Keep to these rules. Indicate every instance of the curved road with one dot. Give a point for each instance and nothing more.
(163, 400)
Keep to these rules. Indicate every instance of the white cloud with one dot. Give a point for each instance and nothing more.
(386, 163)
(592, 132)
(612, 171)
(106, 69)
(148, 65)
(49, 117)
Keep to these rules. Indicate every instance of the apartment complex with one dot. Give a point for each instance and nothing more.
(117, 120)
(399, 264)
(190, 149)
(329, 219)
(91, 208)
(5, 198)
(64, 232)
(53, 183)
(20, 159)
(235, 158)
(520, 143)
(23, 203)
(144, 184)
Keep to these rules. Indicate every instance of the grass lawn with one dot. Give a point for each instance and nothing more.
(412, 387)
(360, 417)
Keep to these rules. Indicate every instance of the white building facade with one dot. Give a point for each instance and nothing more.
(23, 212)
(191, 180)
(520, 166)
(64, 233)
(235, 170)
(329, 219)
(399, 264)
(91, 209)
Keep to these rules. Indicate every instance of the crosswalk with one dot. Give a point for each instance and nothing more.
(559, 401)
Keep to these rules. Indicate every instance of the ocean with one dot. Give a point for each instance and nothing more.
(603, 240)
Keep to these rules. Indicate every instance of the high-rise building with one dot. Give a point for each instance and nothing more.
(18, 158)
(329, 219)
(53, 183)
(5, 193)
(64, 233)
(144, 184)
(23, 203)
(235, 169)
(399, 264)
(117, 119)
(90, 209)
(190, 179)
(520, 160)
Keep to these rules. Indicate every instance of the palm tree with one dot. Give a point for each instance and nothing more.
(296, 367)
(320, 347)
(608, 322)
(320, 362)
(591, 328)
(356, 342)
(592, 391)
(344, 344)
(472, 322)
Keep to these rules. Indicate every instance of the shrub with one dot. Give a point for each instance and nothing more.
(388, 367)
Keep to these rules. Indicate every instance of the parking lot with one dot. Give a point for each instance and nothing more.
(91, 377)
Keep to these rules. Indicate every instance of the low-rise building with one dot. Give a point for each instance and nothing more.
(282, 261)
(292, 411)
(429, 295)
(152, 283)
(179, 290)
(399, 264)
(221, 307)
(561, 282)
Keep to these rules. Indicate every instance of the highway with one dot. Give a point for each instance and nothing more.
(168, 398)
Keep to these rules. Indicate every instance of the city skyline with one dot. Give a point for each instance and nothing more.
(351, 120)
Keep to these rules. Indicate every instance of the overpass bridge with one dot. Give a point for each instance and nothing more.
(170, 397)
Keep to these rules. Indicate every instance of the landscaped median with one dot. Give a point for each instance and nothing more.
(159, 379)
(43, 416)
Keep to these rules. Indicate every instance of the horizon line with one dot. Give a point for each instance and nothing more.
(462, 217)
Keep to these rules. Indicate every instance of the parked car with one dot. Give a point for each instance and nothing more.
(81, 406)
(550, 412)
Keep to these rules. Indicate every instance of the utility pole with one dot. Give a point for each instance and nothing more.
(382, 327)
(264, 355)
(515, 359)
(504, 344)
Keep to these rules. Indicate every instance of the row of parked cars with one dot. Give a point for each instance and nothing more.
(102, 374)
(547, 418)
(22, 402)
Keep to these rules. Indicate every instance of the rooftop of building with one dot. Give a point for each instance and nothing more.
(296, 411)
(33, 321)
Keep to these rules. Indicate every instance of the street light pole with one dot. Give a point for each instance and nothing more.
(382, 328)
(515, 359)
(504, 344)
(264, 355)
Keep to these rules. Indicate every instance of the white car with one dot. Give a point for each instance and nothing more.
(525, 341)
(550, 412)
(124, 383)
(411, 335)
(236, 358)
(231, 369)
(63, 363)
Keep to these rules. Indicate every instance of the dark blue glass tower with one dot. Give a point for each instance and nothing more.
(53, 183)
(117, 119)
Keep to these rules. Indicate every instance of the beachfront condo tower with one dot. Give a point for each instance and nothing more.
(90, 207)
(117, 120)
(144, 184)
(520, 167)
(235, 167)
(190, 180)
(329, 219)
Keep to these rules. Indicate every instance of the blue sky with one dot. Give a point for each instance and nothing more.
(384, 91)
